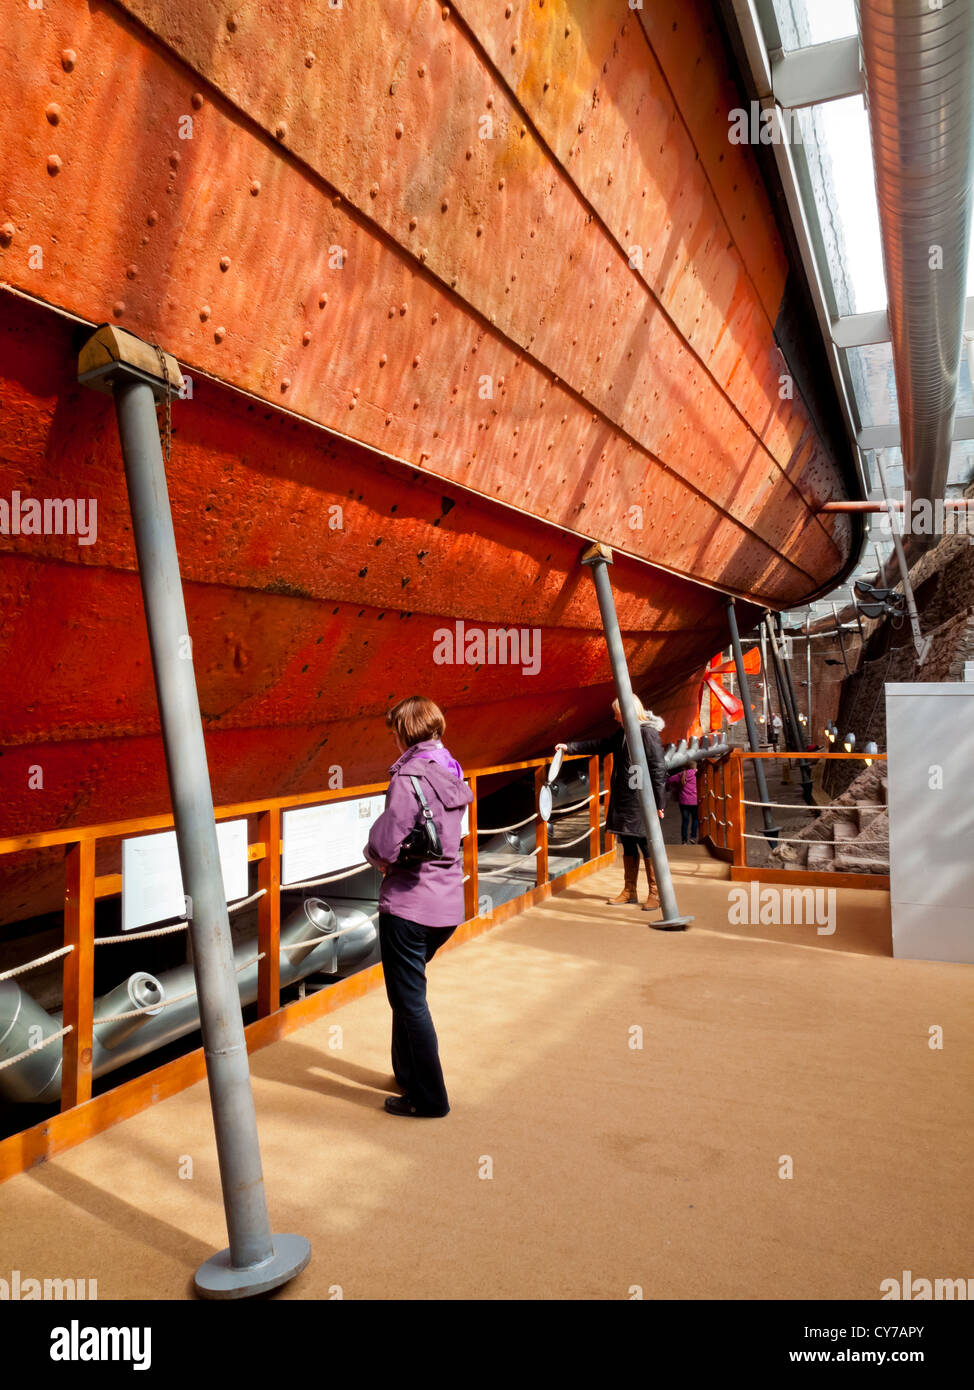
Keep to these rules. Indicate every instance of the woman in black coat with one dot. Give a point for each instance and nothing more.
(625, 817)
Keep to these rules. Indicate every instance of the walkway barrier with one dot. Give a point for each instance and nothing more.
(725, 830)
(83, 1114)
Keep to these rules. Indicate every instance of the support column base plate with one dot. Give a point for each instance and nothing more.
(668, 923)
(217, 1277)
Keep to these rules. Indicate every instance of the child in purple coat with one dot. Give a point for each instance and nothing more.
(685, 785)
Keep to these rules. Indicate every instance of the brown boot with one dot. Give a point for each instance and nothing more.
(652, 900)
(629, 892)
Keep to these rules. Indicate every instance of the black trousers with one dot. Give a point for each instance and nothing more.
(634, 845)
(406, 947)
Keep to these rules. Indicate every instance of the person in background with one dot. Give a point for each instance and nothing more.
(684, 784)
(420, 904)
(776, 727)
(624, 817)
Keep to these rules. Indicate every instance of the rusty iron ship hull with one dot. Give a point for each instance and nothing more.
(457, 288)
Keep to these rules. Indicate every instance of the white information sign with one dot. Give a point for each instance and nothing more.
(326, 839)
(152, 884)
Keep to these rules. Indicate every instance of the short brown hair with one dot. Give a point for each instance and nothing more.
(416, 719)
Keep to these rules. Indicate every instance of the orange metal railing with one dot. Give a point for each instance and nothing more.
(84, 887)
(723, 808)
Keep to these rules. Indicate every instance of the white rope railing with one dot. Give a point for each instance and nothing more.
(567, 844)
(329, 878)
(176, 926)
(502, 829)
(565, 810)
(140, 935)
(328, 936)
(243, 902)
(11, 1061)
(801, 840)
(828, 806)
(32, 964)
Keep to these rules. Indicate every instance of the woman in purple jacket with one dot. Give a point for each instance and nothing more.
(420, 905)
(684, 784)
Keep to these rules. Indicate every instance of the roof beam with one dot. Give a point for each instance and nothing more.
(860, 330)
(821, 72)
(888, 436)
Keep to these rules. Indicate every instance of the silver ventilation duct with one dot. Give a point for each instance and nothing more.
(919, 73)
(314, 938)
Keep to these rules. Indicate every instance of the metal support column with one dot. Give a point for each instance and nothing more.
(922, 644)
(598, 558)
(770, 829)
(838, 633)
(862, 638)
(786, 697)
(256, 1260)
(808, 669)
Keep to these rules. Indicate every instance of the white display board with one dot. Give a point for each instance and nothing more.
(326, 839)
(930, 772)
(152, 884)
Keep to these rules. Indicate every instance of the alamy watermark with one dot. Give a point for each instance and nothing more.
(919, 1290)
(50, 516)
(771, 126)
(22, 1289)
(751, 905)
(492, 646)
(77, 1343)
(921, 516)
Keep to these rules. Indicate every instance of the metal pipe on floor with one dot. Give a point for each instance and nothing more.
(339, 941)
(255, 1260)
(770, 829)
(598, 558)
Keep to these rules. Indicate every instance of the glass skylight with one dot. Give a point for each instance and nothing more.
(803, 22)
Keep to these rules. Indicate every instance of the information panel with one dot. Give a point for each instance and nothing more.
(152, 884)
(326, 839)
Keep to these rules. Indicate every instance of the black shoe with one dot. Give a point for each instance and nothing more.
(402, 1105)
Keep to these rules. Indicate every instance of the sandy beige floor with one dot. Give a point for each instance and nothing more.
(613, 1165)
